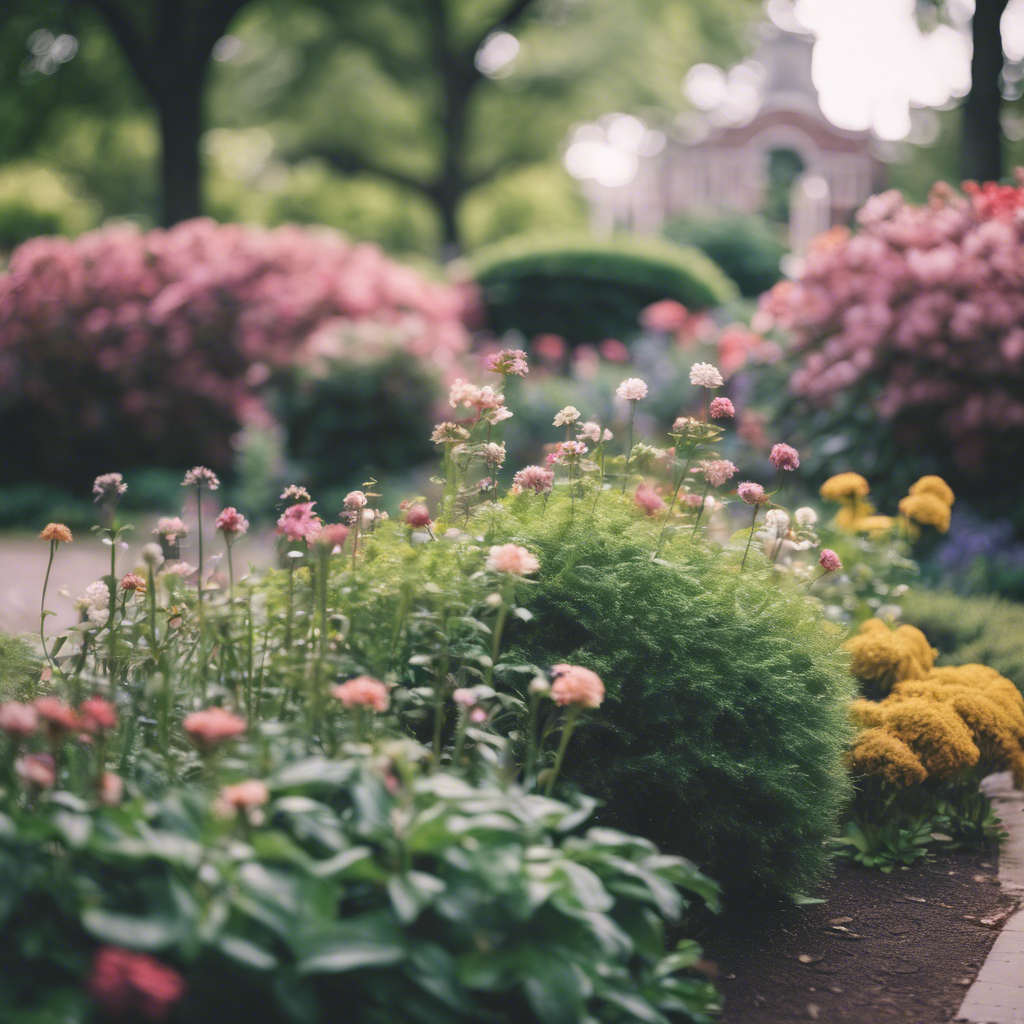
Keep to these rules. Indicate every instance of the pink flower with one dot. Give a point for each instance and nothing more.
(110, 789)
(363, 691)
(720, 408)
(36, 770)
(613, 350)
(17, 719)
(752, 494)
(132, 583)
(417, 516)
(97, 715)
(829, 561)
(244, 796)
(332, 536)
(512, 559)
(132, 985)
(464, 697)
(298, 522)
(170, 528)
(718, 471)
(632, 389)
(784, 456)
(645, 497)
(109, 487)
(355, 500)
(232, 523)
(295, 493)
(577, 686)
(210, 728)
(666, 315)
(534, 478)
(57, 717)
(200, 476)
(509, 361)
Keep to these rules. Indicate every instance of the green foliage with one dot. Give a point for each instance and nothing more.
(586, 289)
(431, 900)
(36, 200)
(971, 630)
(723, 732)
(885, 844)
(747, 247)
(18, 665)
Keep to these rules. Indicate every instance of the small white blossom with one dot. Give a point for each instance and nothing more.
(633, 389)
(805, 517)
(564, 417)
(705, 375)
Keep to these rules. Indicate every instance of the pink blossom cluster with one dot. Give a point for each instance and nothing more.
(929, 302)
(164, 333)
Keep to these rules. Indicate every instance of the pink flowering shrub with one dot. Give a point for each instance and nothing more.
(153, 346)
(919, 317)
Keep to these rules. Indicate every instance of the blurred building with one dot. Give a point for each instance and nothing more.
(783, 158)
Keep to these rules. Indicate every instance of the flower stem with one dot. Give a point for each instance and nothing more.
(570, 724)
(749, 539)
(629, 446)
(42, 604)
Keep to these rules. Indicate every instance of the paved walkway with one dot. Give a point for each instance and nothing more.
(997, 995)
(23, 566)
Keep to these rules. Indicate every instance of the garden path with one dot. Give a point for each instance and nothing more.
(23, 566)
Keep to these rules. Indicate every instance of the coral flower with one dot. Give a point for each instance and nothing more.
(97, 714)
(646, 498)
(131, 583)
(110, 789)
(632, 389)
(232, 523)
(243, 796)
(417, 516)
(132, 985)
(210, 728)
(57, 717)
(17, 719)
(577, 686)
(534, 478)
(363, 691)
(56, 532)
(513, 559)
(784, 456)
(38, 770)
(332, 537)
(721, 408)
(829, 561)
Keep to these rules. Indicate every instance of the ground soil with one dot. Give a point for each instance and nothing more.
(898, 947)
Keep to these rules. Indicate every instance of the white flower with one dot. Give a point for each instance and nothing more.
(805, 517)
(705, 375)
(589, 431)
(464, 393)
(633, 389)
(493, 453)
(152, 554)
(564, 417)
(497, 414)
(776, 519)
(98, 595)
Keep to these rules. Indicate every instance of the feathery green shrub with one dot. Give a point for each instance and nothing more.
(586, 289)
(723, 731)
(971, 630)
(17, 666)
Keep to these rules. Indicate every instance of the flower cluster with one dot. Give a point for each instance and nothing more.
(132, 342)
(929, 301)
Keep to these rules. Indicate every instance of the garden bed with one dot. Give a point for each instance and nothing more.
(903, 946)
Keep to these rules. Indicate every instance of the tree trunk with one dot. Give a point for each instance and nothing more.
(982, 157)
(181, 126)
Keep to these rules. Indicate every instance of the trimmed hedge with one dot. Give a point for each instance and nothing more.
(587, 289)
(971, 630)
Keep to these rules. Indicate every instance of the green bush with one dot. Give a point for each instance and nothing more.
(427, 901)
(747, 248)
(17, 666)
(587, 289)
(37, 200)
(725, 724)
(971, 630)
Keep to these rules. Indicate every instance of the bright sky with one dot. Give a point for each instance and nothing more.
(872, 63)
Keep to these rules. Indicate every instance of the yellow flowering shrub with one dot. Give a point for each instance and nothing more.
(936, 486)
(874, 524)
(882, 657)
(926, 509)
(843, 486)
(936, 733)
(866, 713)
(881, 755)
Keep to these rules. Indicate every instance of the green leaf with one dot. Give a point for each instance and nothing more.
(150, 933)
(75, 828)
(553, 990)
(411, 893)
(356, 864)
(246, 952)
(373, 940)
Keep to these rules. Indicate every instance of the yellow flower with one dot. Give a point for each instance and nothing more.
(866, 713)
(873, 524)
(926, 509)
(881, 755)
(883, 658)
(936, 734)
(937, 486)
(845, 485)
(56, 531)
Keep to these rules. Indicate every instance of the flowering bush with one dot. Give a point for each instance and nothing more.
(916, 320)
(128, 346)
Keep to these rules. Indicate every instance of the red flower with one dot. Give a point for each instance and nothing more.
(57, 717)
(210, 728)
(128, 984)
(97, 714)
